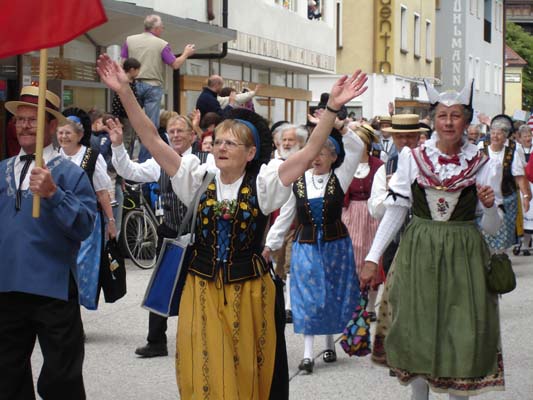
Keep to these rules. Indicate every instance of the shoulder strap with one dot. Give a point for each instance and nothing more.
(193, 208)
(88, 163)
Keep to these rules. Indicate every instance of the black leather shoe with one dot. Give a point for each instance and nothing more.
(306, 365)
(372, 316)
(152, 350)
(329, 356)
(288, 316)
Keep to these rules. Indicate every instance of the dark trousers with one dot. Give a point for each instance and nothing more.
(57, 324)
(157, 325)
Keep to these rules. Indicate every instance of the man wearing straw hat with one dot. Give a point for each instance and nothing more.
(405, 130)
(38, 290)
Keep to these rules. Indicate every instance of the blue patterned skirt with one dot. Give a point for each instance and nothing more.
(506, 235)
(324, 286)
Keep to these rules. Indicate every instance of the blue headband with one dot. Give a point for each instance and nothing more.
(75, 119)
(335, 144)
(255, 134)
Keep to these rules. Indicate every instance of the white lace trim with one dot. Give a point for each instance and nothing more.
(446, 171)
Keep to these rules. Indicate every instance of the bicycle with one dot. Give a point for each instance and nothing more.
(139, 228)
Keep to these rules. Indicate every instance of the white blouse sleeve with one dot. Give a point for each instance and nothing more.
(277, 232)
(189, 178)
(353, 147)
(148, 171)
(388, 228)
(271, 193)
(401, 181)
(518, 165)
(378, 194)
(101, 180)
(491, 174)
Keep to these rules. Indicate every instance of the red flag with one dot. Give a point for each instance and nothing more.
(530, 121)
(29, 25)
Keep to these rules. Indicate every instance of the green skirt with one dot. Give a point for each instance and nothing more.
(444, 323)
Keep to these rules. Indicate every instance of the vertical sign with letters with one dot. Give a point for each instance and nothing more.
(457, 44)
(384, 37)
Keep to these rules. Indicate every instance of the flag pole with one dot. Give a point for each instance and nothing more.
(43, 75)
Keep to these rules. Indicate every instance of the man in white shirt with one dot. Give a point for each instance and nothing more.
(182, 136)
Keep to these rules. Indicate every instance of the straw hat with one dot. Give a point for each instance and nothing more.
(29, 96)
(367, 134)
(385, 118)
(405, 123)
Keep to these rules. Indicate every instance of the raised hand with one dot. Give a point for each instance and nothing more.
(347, 88)
(189, 50)
(195, 118)
(114, 128)
(111, 74)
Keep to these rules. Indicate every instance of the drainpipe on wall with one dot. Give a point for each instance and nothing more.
(204, 56)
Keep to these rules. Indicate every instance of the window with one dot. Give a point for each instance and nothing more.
(477, 74)
(429, 42)
(417, 36)
(339, 25)
(497, 80)
(403, 29)
(487, 21)
(315, 9)
(473, 7)
(470, 69)
(487, 77)
(288, 4)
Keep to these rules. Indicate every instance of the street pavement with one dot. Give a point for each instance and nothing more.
(113, 371)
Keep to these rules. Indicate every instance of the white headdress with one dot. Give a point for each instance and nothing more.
(450, 97)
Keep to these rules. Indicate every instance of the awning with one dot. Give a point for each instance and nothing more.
(125, 19)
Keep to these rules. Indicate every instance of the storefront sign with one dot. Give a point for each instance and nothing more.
(383, 37)
(457, 44)
(513, 78)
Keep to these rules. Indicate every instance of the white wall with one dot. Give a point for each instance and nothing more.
(184, 9)
(267, 20)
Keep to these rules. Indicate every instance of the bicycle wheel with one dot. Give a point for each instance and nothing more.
(139, 237)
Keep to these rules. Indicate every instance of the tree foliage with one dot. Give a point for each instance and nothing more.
(522, 42)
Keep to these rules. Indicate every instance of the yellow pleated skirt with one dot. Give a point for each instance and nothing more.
(226, 339)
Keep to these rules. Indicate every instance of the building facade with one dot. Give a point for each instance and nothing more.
(514, 65)
(391, 40)
(278, 46)
(469, 45)
(520, 12)
(277, 43)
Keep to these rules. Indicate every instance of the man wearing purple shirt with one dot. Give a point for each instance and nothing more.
(153, 53)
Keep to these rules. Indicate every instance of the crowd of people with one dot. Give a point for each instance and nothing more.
(334, 207)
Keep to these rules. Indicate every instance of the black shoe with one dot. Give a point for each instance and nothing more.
(527, 253)
(288, 316)
(329, 356)
(306, 365)
(152, 350)
(372, 316)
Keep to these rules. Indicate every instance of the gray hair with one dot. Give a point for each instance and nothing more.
(503, 125)
(152, 21)
(524, 129)
(466, 112)
(301, 133)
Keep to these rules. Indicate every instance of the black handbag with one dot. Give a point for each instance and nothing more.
(112, 272)
(279, 389)
(500, 277)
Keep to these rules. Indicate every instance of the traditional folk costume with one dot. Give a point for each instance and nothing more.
(512, 166)
(361, 226)
(443, 323)
(90, 250)
(226, 340)
(528, 216)
(324, 285)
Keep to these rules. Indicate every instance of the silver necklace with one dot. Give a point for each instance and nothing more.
(320, 180)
